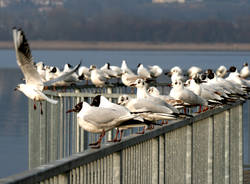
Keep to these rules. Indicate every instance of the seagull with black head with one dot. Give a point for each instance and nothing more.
(96, 119)
(33, 88)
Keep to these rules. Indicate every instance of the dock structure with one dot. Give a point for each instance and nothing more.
(207, 148)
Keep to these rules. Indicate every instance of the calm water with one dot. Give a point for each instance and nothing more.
(13, 105)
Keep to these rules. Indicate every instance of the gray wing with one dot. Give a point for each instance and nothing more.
(24, 58)
(146, 105)
(62, 77)
(101, 117)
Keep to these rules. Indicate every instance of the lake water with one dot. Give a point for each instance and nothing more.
(14, 108)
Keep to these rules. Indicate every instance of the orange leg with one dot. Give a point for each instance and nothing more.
(142, 132)
(96, 145)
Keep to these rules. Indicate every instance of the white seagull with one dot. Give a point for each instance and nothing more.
(221, 71)
(125, 68)
(99, 119)
(245, 72)
(101, 101)
(178, 92)
(98, 77)
(143, 72)
(34, 85)
(155, 71)
(84, 72)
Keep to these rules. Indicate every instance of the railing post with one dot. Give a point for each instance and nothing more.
(189, 154)
(240, 144)
(155, 160)
(63, 179)
(161, 159)
(227, 147)
(117, 168)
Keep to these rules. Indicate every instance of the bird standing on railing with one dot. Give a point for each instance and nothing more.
(101, 101)
(33, 88)
(178, 92)
(98, 77)
(245, 72)
(100, 119)
(155, 71)
(125, 68)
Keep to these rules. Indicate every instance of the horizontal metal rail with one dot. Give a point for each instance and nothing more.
(204, 149)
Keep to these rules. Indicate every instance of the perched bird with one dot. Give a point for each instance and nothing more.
(143, 72)
(176, 74)
(155, 71)
(244, 72)
(178, 92)
(34, 84)
(147, 109)
(106, 69)
(107, 119)
(125, 68)
(221, 71)
(128, 78)
(193, 71)
(153, 91)
(98, 77)
(84, 73)
(101, 101)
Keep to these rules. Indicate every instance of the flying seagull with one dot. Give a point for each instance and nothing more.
(34, 84)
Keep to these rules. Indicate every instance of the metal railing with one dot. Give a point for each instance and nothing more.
(204, 149)
(55, 134)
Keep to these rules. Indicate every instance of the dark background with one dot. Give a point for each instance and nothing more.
(206, 21)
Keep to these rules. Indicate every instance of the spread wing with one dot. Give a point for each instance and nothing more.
(24, 58)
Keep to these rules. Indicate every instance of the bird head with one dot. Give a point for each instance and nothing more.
(96, 101)
(123, 99)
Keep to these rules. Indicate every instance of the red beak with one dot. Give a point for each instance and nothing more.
(70, 110)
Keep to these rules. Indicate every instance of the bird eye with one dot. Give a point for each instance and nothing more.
(139, 82)
(176, 83)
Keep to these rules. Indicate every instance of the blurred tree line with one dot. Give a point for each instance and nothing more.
(117, 20)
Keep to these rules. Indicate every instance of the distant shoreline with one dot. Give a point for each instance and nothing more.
(77, 45)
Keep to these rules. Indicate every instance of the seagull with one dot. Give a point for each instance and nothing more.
(128, 78)
(175, 74)
(98, 77)
(234, 77)
(147, 109)
(84, 72)
(153, 91)
(245, 73)
(221, 71)
(142, 93)
(193, 71)
(143, 72)
(73, 78)
(34, 85)
(99, 119)
(178, 92)
(125, 68)
(196, 86)
(106, 69)
(101, 101)
(155, 71)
